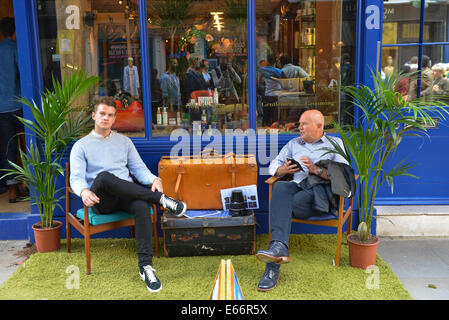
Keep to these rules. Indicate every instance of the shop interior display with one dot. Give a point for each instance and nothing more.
(106, 40)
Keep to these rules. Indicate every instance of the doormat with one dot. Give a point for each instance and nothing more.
(310, 275)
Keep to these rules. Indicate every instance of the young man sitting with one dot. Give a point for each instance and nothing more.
(100, 168)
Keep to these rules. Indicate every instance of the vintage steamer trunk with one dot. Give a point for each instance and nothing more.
(208, 236)
(197, 180)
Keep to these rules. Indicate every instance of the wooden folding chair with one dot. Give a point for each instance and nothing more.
(99, 223)
(328, 220)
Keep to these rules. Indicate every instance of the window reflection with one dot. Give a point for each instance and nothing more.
(103, 38)
(304, 52)
(199, 59)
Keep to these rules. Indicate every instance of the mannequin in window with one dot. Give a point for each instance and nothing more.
(389, 68)
(131, 82)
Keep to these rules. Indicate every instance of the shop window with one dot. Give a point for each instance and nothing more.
(199, 63)
(103, 38)
(435, 19)
(401, 22)
(401, 43)
(304, 54)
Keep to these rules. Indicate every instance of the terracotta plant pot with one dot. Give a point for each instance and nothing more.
(362, 255)
(48, 239)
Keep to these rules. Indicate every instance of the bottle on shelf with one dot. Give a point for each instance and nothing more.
(215, 96)
(204, 117)
(159, 116)
(310, 64)
(164, 117)
(178, 118)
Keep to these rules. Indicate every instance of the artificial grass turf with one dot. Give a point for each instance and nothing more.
(309, 275)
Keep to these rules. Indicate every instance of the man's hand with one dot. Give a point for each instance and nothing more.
(287, 168)
(89, 198)
(309, 164)
(157, 185)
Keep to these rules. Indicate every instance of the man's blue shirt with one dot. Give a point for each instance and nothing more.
(297, 148)
(9, 76)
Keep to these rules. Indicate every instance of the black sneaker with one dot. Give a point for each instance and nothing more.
(175, 206)
(147, 274)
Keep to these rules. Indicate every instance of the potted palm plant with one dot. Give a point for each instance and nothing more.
(56, 123)
(386, 117)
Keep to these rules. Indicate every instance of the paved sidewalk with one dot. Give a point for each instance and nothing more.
(422, 265)
(417, 262)
(10, 259)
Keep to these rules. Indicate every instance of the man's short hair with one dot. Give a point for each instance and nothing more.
(203, 63)
(109, 101)
(425, 61)
(7, 26)
(284, 59)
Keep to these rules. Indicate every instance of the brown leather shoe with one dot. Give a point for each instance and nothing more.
(12, 193)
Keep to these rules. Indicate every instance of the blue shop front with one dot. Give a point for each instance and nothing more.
(233, 75)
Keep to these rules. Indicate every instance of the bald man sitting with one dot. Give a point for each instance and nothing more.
(288, 198)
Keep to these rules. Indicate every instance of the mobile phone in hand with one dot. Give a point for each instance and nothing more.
(293, 161)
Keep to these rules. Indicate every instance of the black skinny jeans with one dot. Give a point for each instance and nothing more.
(117, 194)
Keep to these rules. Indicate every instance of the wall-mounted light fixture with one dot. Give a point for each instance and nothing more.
(218, 20)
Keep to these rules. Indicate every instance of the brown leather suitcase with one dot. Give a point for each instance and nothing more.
(197, 180)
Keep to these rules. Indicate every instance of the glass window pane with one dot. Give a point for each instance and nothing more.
(304, 53)
(199, 59)
(436, 21)
(103, 38)
(401, 22)
(405, 59)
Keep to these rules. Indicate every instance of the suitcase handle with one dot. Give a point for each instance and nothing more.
(210, 151)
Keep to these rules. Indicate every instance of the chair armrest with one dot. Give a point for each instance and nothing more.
(273, 179)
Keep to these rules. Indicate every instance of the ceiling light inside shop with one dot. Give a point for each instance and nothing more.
(218, 23)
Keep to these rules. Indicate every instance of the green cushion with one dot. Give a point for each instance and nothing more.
(96, 219)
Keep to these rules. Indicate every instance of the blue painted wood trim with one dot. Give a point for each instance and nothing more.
(30, 65)
(251, 9)
(368, 35)
(358, 52)
(146, 74)
(420, 48)
(415, 44)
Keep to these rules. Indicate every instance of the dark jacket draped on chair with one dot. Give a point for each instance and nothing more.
(341, 183)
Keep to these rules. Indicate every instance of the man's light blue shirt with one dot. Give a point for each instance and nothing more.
(297, 148)
(292, 71)
(9, 76)
(115, 154)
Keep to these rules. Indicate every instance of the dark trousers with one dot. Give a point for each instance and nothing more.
(288, 200)
(118, 194)
(9, 126)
